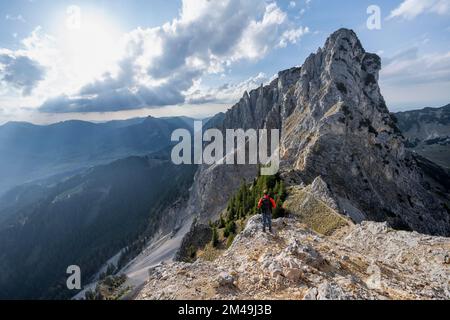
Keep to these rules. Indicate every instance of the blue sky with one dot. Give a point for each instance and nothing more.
(113, 59)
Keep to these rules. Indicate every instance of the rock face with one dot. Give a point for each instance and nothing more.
(335, 125)
(340, 129)
(366, 261)
(428, 132)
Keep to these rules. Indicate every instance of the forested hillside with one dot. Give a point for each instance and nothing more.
(84, 221)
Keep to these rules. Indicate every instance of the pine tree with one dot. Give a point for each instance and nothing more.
(230, 240)
(215, 237)
(221, 222)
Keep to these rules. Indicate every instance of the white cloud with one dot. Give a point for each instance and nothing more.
(412, 80)
(409, 67)
(19, 18)
(409, 9)
(292, 36)
(163, 64)
(225, 94)
(261, 36)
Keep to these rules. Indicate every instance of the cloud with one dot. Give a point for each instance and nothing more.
(408, 67)
(115, 99)
(19, 18)
(162, 64)
(292, 36)
(20, 71)
(226, 93)
(410, 9)
(412, 80)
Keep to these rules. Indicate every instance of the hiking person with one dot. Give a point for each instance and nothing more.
(266, 204)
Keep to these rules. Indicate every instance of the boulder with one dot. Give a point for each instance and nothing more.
(330, 291)
(293, 274)
(225, 279)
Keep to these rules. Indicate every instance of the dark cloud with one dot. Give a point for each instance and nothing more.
(109, 95)
(20, 72)
(115, 100)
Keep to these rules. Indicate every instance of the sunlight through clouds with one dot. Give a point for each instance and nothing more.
(162, 64)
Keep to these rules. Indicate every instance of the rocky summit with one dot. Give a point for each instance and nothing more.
(366, 261)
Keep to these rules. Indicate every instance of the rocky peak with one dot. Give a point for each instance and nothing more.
(336, 125)
(340, 72)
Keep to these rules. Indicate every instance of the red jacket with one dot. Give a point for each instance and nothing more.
(274, 205)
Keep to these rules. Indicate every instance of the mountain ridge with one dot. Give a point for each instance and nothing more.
(31, 152)
(428, 132)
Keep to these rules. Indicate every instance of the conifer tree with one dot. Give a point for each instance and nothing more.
(215, 237)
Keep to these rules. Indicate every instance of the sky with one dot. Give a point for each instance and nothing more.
(114, 59)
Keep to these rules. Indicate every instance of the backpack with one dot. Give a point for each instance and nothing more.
(266, 205)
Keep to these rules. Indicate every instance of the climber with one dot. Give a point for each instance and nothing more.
(266, 204)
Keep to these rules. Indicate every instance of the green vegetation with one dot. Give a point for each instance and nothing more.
(110, 288)
(110, 270)
(215, 237)
(243, 205)
(314, 213)
(230, 240)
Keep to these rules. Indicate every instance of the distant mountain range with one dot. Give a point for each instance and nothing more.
(77, 193)
(428, 132)
(83, 220)
(29, 152)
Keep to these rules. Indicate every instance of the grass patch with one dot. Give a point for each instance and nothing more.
(314, 213)
(210, 253)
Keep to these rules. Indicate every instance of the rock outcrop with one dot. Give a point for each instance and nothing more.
(366, 261)
(341, 130)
